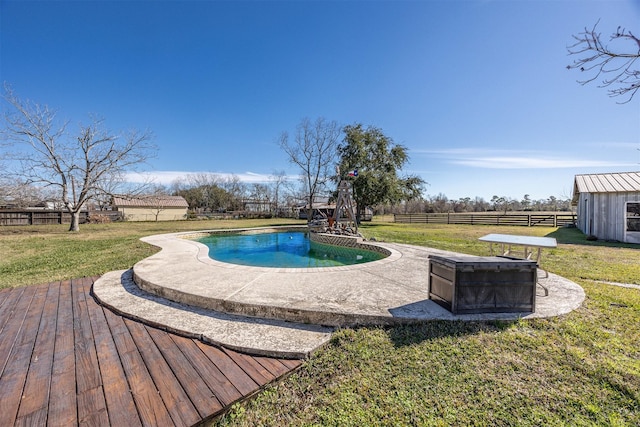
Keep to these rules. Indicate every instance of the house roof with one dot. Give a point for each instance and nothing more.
(622, 182)
(151, 201)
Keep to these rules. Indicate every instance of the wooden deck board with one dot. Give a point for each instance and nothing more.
(15, 371)
(252, 367)
(65, 360)
(4, 294)
(224, 389)
(114, 382)
(92, 407)
(63, 403)
(15, 312)
(291, 364)
(274, 366)
(150, 406)
(200, 394)
(240, 379)
(35, 397)
(7, 304)
(176, 399)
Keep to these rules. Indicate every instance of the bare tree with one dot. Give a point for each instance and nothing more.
(81, 166)
(314, 151)
(203, 179)
(279, 181)
(20, 194)
(237, 191)
(500, 203)
(207, 186)
(157, 200)
(614, 64)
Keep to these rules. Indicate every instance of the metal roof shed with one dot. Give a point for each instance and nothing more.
(608, 205)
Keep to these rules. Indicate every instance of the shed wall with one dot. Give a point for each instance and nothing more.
(149, 214)
(604, 215)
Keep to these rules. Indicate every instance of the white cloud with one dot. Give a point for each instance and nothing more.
(632, 146)
(516, 159)
(470, 151)
(532, 163)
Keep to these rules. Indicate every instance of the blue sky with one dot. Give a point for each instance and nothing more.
(478, 91)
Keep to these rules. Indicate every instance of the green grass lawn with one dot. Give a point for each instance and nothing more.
(579, 369)
(31, 255)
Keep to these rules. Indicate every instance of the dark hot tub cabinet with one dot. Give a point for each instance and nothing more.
(470, 284)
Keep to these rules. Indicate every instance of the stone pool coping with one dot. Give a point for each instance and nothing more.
(384, 292)
(387, 291)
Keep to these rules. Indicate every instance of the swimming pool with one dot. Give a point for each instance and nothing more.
(282, 249)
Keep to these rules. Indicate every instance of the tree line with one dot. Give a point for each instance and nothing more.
(88, 167)
(326, 154)
(440, 203)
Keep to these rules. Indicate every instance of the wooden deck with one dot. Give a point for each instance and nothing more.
(65, 360)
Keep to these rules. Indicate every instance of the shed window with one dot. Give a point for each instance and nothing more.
(633, 216)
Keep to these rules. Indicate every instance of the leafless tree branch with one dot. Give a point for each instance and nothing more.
(612, 64)
(81, 167)
(314, 151)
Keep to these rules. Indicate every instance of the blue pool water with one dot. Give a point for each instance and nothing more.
(286, 249)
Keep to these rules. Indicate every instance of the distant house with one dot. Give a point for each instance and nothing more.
(151, 208)
(608, 205)
(257, 205)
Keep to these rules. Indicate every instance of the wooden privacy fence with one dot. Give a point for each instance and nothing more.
(44, 217)
(522, 219)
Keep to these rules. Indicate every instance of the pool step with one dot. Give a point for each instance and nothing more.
(117, 291)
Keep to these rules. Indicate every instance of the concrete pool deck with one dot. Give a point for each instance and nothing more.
(289, 312)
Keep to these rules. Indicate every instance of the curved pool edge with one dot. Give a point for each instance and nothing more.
(203, 250)
(385, 292)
